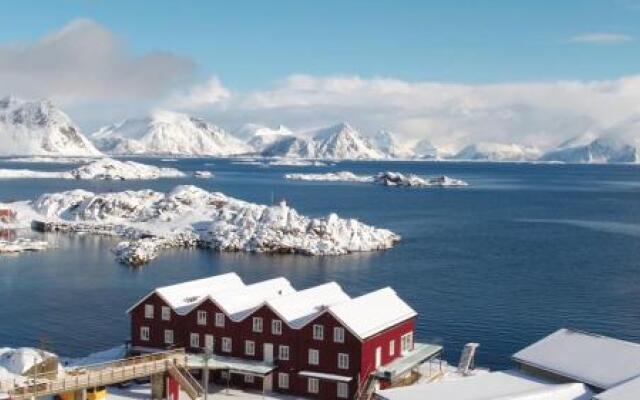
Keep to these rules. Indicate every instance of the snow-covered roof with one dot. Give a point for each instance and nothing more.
(182, 297)
(301, 307)
(629, 390)
(373, 312)
(239, 303)
(502, 385)
(596, 360)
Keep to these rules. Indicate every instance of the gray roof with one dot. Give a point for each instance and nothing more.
(596, 360)
(629, 390)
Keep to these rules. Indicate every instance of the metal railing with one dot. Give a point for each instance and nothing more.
(95, 375)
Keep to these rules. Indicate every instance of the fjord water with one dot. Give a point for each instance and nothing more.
(524, 250)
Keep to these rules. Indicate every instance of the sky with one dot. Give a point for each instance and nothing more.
(452, 72)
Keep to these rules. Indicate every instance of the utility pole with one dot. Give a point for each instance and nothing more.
(207, 355)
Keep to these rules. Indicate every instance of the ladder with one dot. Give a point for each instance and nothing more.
(187, 382)
(467, 358)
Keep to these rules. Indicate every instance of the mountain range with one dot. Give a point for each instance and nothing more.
(34, 128)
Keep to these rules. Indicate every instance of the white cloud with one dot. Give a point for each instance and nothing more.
(200, 95)
(84, 62)
(601, 38)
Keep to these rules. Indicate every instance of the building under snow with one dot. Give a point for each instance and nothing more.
(317, 342)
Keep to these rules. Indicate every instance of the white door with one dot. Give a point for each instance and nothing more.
(268, 352)
(208, 342)
(378, 356)
(267, 383)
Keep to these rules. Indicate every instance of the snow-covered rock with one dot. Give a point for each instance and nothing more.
(21, 360)
(489, 151)
(338, 142)
(386, 142)
(21, 245)
(383, 178)
(38, 128)
(168, 133)
(187, 216)
(106, 169)
(259, 137)
(203, 174)
(285, 162)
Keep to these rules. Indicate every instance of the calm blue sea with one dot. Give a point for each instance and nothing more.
(524, 250)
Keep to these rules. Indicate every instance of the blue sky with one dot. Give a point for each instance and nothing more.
(249, 44)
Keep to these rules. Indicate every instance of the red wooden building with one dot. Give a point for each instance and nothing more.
(317, 342)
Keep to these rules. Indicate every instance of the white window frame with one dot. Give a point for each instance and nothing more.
(166, 313)
(220, 320)
(148, 311)
(338, 334)
(406, 343)
(145, 333)
(343, 361)
(283, 352)
(342, 390)
(257, 324)
(249, 344)
(392, 347)
(276, 327)
(283, 380)
(314, 357)
(168, 336)
(227, 344)
(318, 332)
(194, 340)
(313, 385)
(249, 378)
(202, 318)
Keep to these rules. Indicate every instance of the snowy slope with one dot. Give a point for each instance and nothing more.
(337, 142)
(168, 133)
(489, 151)
(259, 137)
(387, 143)
(425, 150)
(39, 128)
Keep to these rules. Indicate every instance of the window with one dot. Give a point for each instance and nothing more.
(220, 320)
(338, 334)
(166, 313)
(392, 347)
(257, 324)
(318, 332)
(194, 340)
(248, 379)
(249, 347)
(343, 360)
(343, 390)
(148, 311)
(168, 336)
(283, 380)
(276, 327)
(406, 342)
(314, 357)
(313, 385)
(283, 352)
(226, 344)
(144, 333)
(224, 374)
(202, 317)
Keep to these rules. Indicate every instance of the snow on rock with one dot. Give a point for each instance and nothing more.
(284, 162)
(259, 137)
(51, 160)
(19, 361)
(21, 245)
(338, 142)
(488, 151)
(382, 178)
(106, 169)
(203, 174)
(38, 128)
(188, 216)
(168, 133)
(425, 150)
(386, 142)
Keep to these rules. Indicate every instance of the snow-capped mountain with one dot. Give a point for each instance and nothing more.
(259, 137)
(490, 151)
(386, 142)
(425, 150)
(619, 144)
(338, 142)
(39, 128)
(168, 133)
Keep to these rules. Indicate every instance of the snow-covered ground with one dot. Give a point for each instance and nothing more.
(105, 168)
(188, 216)
(382, 178)
(52, 160)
